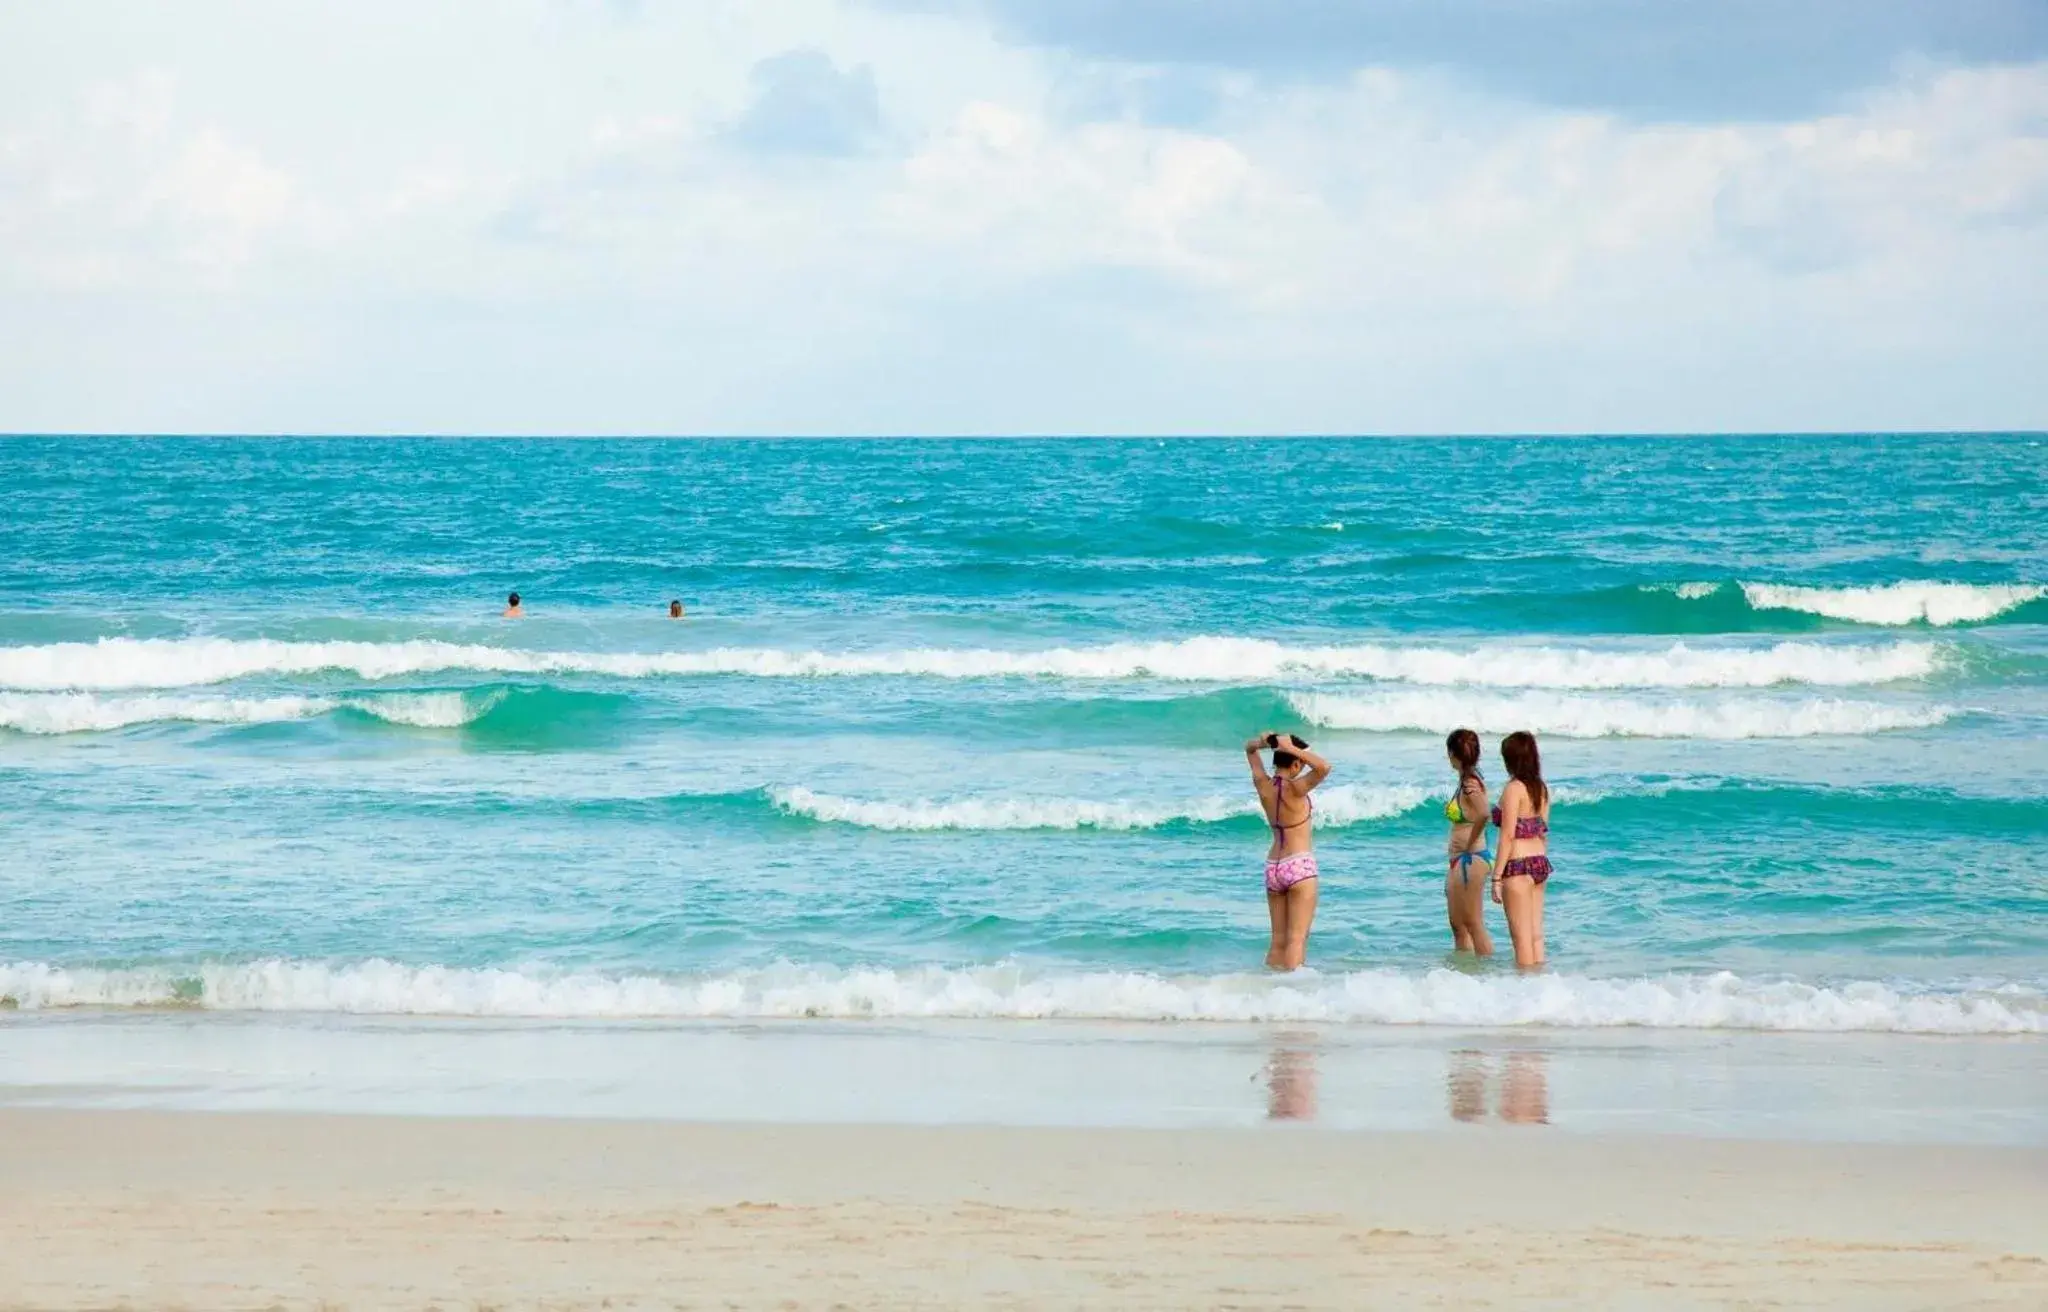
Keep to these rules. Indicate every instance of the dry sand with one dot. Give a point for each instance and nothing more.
(115, 1209)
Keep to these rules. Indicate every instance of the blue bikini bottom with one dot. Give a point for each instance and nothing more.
(1463, 861)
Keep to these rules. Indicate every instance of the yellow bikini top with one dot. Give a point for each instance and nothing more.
(1452, 811)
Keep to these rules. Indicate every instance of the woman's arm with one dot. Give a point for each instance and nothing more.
(1472, 800)
(1318, 768)
(1252, 748)
(1512, 800)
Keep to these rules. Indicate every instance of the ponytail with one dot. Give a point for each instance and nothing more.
(1463, 745)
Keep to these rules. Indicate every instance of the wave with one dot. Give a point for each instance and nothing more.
(1571, 715)
(1730, 606)
(60, 713)
(114, 664)
(1186, 719)
(1702, 801)
(498, 707)
(1365, 997)
(81, 712)
(1895, 604)
(1344, 804)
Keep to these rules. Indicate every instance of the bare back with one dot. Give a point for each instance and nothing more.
(1290, 814)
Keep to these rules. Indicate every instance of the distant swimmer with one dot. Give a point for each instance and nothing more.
(675, 610)
(1471, 863)
(1523, 820)
(1291, 873)
(513, 610)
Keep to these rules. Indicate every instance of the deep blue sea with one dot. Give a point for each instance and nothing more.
(952, 727)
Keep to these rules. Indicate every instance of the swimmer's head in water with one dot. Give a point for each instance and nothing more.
(512, 600)
(675, 609)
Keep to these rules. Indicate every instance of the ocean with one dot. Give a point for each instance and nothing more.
(951, 730)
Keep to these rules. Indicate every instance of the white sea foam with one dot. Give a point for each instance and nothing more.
(1582, 715)
(1382, 997)
(1898, 603)
(129, 663)
(1338, 805)
(1686, 591)
(427, 710)
(976, 813)
(83, 712)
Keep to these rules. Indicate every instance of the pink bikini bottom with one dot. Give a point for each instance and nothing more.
(1288, 871)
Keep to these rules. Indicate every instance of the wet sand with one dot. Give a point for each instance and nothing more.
(1814, 1088)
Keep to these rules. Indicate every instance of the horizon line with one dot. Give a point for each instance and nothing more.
(1502, 435)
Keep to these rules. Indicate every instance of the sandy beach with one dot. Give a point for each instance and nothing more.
(202, 1210)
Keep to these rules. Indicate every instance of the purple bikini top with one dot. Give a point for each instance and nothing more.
(1528, 826)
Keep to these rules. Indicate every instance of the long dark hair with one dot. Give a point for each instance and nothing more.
(1463, 745)
(1518, 753)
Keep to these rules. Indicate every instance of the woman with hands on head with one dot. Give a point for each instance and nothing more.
(1291, 874)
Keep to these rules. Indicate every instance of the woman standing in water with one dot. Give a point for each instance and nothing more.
(1291, 874)
(1471, 862)
(1523, 818)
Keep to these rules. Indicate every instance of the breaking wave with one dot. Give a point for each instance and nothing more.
(83, 712)
(1578, 715)
(1338, 805)
(1007, 991)
(511, 710)
(115, 664)
(1939, 604)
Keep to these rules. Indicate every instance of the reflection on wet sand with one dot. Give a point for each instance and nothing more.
(1518, 1080)
(1291, 1080)
(1466, 1084)
(1525, 1093)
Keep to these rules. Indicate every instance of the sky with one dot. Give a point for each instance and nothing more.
(1023, 216)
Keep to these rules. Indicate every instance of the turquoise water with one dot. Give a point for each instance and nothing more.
(952, 727)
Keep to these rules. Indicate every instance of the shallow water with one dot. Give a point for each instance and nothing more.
(951, 730)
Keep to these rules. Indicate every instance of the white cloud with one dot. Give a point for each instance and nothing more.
(917, 231)
(119, 189)
(1016, 193)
